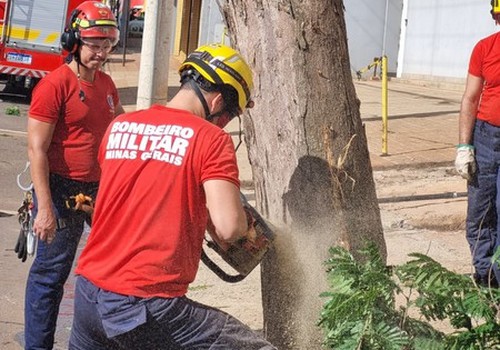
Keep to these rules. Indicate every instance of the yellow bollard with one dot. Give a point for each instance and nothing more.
(384, 106)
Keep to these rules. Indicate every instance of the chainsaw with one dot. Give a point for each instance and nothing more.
(245, 254)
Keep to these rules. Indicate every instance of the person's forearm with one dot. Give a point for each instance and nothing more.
(468, 108)
(39, 167)
(235, 228)
(467, 120)
(241, 229)
(226, 210)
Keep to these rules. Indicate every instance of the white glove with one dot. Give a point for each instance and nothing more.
(465, 162)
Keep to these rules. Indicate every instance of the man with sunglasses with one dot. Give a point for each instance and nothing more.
(69, 113)
(162, 168)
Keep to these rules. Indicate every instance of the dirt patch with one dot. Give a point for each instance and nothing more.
(454, 222)
(433, 223)
(433, 199)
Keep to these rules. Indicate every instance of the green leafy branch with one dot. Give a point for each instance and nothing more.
(360, 312)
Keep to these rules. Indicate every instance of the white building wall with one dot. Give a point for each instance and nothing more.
(440, 36)
(424, 39)
(212, 28)
(373, 29)
(368, 37)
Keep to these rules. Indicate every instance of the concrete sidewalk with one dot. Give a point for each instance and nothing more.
(422, 123)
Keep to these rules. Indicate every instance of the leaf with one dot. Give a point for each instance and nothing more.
(361, 312)
(13, 110)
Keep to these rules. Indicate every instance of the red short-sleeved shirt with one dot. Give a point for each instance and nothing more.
(485, 63)
(150, 215)
(79, 125)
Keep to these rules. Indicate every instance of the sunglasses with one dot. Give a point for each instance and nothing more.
(97, 46)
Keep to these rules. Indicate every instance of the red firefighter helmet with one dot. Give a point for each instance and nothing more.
(93, 19)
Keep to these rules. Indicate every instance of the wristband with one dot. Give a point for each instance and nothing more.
(465, 145)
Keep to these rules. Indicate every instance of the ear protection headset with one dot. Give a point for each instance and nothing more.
(70, 38)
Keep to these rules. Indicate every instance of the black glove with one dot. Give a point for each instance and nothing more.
(21, 247)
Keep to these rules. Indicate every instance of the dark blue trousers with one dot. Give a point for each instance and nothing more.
(105, 320)
(52, 265)
(483, 208)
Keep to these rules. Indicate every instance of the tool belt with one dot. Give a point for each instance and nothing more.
(78, 201)
(67, 193)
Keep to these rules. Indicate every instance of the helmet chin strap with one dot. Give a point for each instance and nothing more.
(202, 99)
(78, 61)
(208, 116)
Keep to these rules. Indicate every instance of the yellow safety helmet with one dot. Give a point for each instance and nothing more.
(495, 10)
(222, 65)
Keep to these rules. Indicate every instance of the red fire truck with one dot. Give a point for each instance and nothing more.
(30, 32)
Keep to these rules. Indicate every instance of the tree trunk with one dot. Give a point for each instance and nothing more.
(307, 147)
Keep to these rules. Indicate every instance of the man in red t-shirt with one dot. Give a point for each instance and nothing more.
(161, 169)
(69, 113)
(478, 155)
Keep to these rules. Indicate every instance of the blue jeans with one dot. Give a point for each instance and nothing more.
(52, 265)
(106, 320)
(483, 208)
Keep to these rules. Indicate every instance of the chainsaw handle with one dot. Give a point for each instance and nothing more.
(218, 271)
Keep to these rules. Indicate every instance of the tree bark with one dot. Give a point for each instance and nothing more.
(307, 147)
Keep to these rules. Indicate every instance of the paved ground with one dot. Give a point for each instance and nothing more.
(422, 134)
(423, 123)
